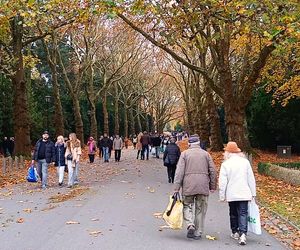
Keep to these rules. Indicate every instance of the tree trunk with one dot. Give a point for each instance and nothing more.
(78, 119)
(93, 120)
(58, 114)
(214, 120)
(92, 101)
(105, 114)
(117, 119)
(21, 117)
(139, 119)
(125, 120)
(132, 123)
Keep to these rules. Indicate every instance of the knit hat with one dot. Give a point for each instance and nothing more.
(232, 147)
(194, 139)
(45, 132)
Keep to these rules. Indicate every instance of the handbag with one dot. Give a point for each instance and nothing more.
(253, 218)
(167, 161)
(32, 175)
(69, 157)
(173, 215)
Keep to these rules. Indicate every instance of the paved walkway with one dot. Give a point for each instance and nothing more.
(113, 214)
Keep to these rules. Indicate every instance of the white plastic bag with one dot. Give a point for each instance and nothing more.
(254, 225)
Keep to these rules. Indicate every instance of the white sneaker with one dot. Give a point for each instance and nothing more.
(242, 240)
(235, 236)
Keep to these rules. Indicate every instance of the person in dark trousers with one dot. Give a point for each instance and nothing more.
(170, 158)
(117, 147)
(11, 146)
(156, 142)
(100, 147)
(44, 154)
(106, 144)
(5, 146)
(145, 140)
(91, 149)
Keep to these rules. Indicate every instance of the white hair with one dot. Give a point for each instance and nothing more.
(228, 155)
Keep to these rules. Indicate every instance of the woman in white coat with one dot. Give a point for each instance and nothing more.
(237, 187)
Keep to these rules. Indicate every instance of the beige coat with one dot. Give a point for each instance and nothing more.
(139, 144)
(74, 149)
(195, 172)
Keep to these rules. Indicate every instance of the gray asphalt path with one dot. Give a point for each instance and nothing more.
(113, 214)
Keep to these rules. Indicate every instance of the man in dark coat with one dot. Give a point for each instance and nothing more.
(170, 158)
(145, 141)
(106, 144)
(5, 146)
(44, 154)
(156, 141)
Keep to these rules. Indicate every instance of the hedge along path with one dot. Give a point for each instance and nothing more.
(281, 172)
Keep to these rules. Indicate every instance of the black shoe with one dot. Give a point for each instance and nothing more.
(191, 232)
(60, 184)
(170, 180)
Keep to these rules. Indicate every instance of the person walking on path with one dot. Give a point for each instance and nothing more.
(170, 158)
(100, 147)
(91, 149)
(237, 187)
(60, 161)
(196, 175)
(139, 146)
(117, 147)
(145, 140)
(106, 144)
(44, 154)
(72, 155)
(156, 142)
(134, 141)
(5, 146)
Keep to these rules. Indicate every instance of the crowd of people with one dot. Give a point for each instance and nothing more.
(192, 171)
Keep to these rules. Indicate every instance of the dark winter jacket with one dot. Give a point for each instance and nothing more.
(60, 150)
(172, 151)
(106, 142)
(145, 140)
(156, 141)
(49, 153)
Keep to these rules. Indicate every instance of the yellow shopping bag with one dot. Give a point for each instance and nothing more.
(173, 215)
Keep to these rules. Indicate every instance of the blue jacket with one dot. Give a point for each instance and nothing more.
(50, 151)
(60, 150)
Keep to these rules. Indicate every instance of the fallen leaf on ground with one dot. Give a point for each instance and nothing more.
(151, 190)
(95, 233)
(95, 219)
(72, 222)
(210, 237)
(164, 227)
(158, 215)
(296, 243)
(20, 220)
(272, 231)
(27, 210)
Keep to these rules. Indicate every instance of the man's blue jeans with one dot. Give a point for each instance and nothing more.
(42, 170)
(105, 153)
(238, 211)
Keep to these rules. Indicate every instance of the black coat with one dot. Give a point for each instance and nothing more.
(156, 141)
(106, 142)
(60, 155)
(50, 151)
(172, 151)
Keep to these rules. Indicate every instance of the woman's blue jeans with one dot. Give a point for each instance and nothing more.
(238, 212)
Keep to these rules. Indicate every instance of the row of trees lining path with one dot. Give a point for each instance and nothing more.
(205, 56)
